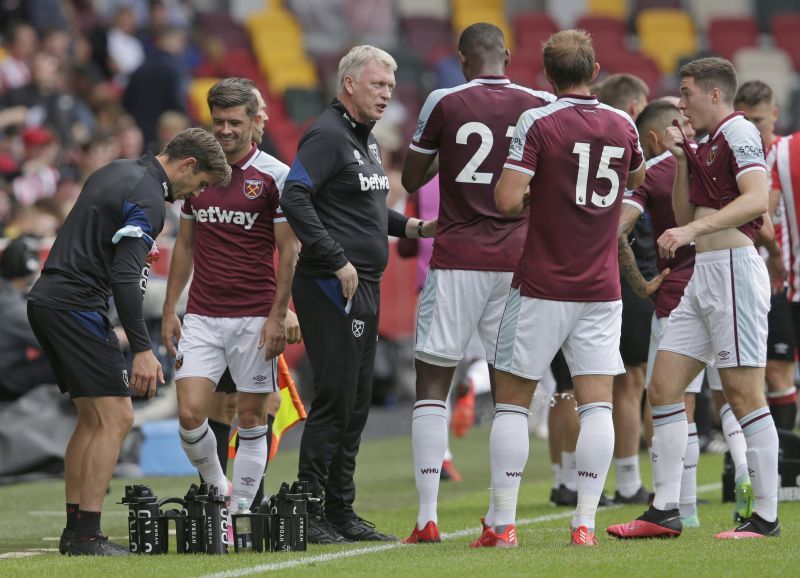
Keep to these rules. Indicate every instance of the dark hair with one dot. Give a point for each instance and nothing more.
(710, 73)
(753, 93)
(20, 258)
(484, 38)
(618, 90)
(656, 112)
(204, 148)
(235, 91)
(569, 58)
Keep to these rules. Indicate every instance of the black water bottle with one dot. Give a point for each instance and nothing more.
(194, 520)
(216, 522)
(149, 523)
(131, 499)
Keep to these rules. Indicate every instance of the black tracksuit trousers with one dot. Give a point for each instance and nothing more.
(341, 346)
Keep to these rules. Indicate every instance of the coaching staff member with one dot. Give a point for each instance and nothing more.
(335, 200)
(105, 248)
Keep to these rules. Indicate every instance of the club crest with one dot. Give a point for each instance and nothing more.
(373, 148)
(358, 327)
(253, 188)
(711, 156)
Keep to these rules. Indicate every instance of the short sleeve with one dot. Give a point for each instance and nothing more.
(746, 147)
(637, 158)
(186, 210)
(429, 126)
(523, 154)
(638, 198)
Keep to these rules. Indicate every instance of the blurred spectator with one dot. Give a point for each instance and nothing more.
(50, 105)
(129, 139)
(38, 175)
(22, 365)
(124, 47)
(159, 84)
(44, 14)
(57, 43)
(169, 124)
(15, 69)
(39, 220)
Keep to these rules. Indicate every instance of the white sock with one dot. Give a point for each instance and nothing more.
(508, 444)
(556, 468)
(735, 440)
(569, 470)
(429, 443)
(762, 461)
(628, 478)
(688, 500)
(670, 432)
(200, 447)
(478, 373)
(593, 455)
(249, 464)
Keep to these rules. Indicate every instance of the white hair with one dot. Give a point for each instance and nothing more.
(354, 61)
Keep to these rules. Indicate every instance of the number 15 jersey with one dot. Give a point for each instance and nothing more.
(470, 126)
(579, 153)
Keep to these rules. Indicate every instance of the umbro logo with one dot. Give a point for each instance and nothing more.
(260, 378)
(248, 481)
(723, 355)
(199, 461)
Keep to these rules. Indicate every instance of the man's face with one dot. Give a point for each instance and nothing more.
(764, 115)
(233, 129)
(190, 183)
(371, 91)
(696, 104)
(260, 119)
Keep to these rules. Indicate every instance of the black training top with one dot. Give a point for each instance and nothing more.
(103, 245)
(335, 198)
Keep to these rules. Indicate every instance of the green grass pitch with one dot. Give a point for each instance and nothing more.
(31, 519)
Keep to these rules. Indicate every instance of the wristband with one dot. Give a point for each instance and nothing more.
(419, 229)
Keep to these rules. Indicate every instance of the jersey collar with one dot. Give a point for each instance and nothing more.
(158, 171)
(491, 79)
(359, 128)
(247, 159)
(724, 122)
(578, 98)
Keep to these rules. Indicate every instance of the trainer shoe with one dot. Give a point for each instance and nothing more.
(95, 546)
(652, 524)
(754, 527)
(640, 497)
(583, 536)
(67, 536)
(690, 521)
(358, 529)
(428, 535)
(463, 417)
(491, 539)
(449, 472)
(321, 531)
(744, 499)
(563, 496)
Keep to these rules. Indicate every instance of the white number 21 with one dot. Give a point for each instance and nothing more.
(583, 149)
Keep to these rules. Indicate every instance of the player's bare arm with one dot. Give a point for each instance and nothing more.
(180, 270)
(636, 178)
(509, 193)
(275, 330)
(775, 265)
(417, 228)
(418, 169)
(683, 209)
(627, 260)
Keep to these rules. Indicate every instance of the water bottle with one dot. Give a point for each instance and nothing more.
(243, 527)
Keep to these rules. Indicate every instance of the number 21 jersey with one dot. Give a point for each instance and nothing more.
(470, 126)
(579, 153)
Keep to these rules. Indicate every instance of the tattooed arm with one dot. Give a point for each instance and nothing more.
(627, 261)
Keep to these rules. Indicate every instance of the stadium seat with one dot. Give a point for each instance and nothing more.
(372, 22)
(608, 34)
(423, 8)
(478, 5)
(785, 30)
(303, 104)
(528, 72)
(198, 91)
(298, 74)
(467, 15)
(705, 12)
(766, 9)
(617, 9)
(532, 28)
(637, 64)
(770, 65)
(665, 36)
(425, 35)
(565, 13)
(727, 35)
(409, 67)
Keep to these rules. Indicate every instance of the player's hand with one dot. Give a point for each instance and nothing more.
(777, 272)
(170, 331)
(273, 336)
(147, 374)
(653, 285)
(429, 228)
(348, 277)
(673, 239)
(673, 139)
(293, 334)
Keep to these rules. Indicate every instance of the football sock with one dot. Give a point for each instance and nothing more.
(429, 444)
(628, 478)
(735, 440)
(508, 446)
(72, 517)
(201, 449)
(670, 433)
(556, 468)
(88, 524)
(593, 455)
(259, 497)
(762, 461)
(783, 407)
(222, 433)
(688, 500)
(249, 464)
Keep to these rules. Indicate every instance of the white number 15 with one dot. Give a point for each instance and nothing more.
(582, 149)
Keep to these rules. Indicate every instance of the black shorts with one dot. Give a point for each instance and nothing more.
(637, 314)
(561, 373)
(781, 332)
(225, 384)
(83, 350)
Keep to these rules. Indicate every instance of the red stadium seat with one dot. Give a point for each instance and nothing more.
(426, 35)
(785, 27)
(727, 35)
(532, 28)
(639, 65)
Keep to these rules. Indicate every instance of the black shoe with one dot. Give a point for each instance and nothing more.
(603, 501)
(670, 519)
(360, 530)
(67, 536)
(753, 527)
(321, 531)
(563, 496)
(96, 546)
(640, 497)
